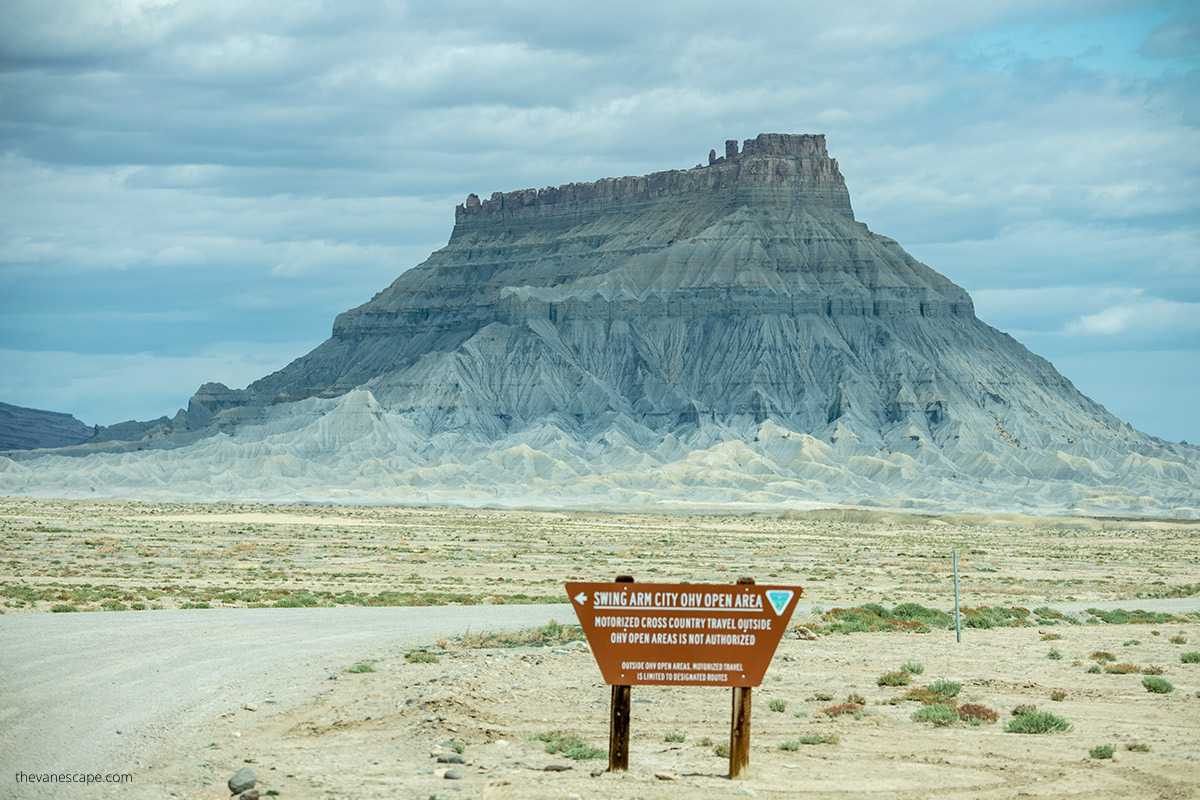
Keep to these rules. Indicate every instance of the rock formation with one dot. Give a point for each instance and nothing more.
(727, 333)
(30, 428)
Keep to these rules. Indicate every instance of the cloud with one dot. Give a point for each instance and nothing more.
(1141, 317)
(1177, 38)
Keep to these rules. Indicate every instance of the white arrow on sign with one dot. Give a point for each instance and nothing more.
(581, 598)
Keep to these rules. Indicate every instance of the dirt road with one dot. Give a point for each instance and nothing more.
(92, 693)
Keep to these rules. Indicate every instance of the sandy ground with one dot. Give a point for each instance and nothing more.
(244, 696)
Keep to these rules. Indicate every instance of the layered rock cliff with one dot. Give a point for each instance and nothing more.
(727, 333)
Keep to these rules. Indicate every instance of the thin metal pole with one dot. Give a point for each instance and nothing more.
(957, 623)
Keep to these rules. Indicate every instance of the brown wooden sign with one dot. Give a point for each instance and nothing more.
(683, 634)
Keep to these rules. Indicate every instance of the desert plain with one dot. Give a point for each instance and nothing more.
(368, 718)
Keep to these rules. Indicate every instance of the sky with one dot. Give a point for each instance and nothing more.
(191, 191)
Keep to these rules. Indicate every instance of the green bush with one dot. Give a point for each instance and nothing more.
(894, 679)
(778, 705)
(1157, 685)
(675, 737)
(1034, 721)
(938, 714)
(63, 608)
(1103, 751)
(1054, 655)
(1190, 658)
(945, 688)
(912, 667)
(570, 746)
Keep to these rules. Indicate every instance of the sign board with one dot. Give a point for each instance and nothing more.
(668, 634)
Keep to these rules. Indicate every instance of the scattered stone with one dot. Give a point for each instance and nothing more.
(242, 780)
(451, 758)
(557, 768)
(250, 707)
(452, 775)
(333, 676)
(666, 776)
(745, 791)
(249, 794)
(500, 743)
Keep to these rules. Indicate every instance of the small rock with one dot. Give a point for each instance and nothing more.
(556, 768)
(666, 776)
(332, 676)
(806, 634)
(452, 775)
(431, 718)
(500, 743)
(449, 745)
(242, 780)
(249, 794)
(745, 791)
(451, 758)
(250, 707)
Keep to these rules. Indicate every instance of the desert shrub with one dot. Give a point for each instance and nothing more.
(778, 705)
(63, 608)
(1137, 747)
(1157, 685)
(1035, 721)
(360, 667)
(912, 667)
(1121, 669)
(1190, 658)
(1094, 669)
(894, 679)
(674, 736)
(1048, 637)
(1120, 616)
(1103, 656)
(1102, 751)
(818, 738)
(856, 698)
(938, 714)
(1153, 670)
(1023, 709)
(811, 738)
(570, 746)
(1178, 640)
(969, 712)
(421, 657)
(721, 751)
(945, 688)
(842, 709)
(1131, 643)
(1058, 695)
(1054, 655)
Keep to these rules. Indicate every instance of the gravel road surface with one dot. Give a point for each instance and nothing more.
(95, 692)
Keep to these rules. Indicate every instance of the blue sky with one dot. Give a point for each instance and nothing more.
(192, 191)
